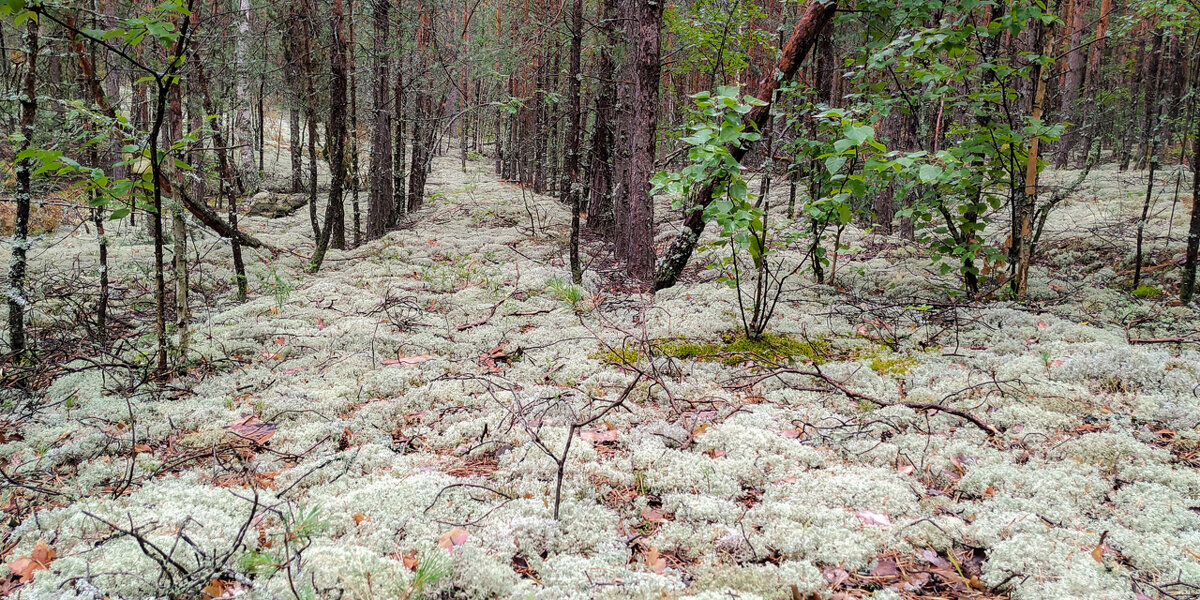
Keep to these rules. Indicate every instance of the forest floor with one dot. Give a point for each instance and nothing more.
(396, 426)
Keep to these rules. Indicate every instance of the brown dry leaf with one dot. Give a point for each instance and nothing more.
(886, 567)
(1098, 552)
(274, 310)
(214, 589)
(251, 428)
(653, 515)
(25, 566)
(905, 469)
(142, 448)
(281, 340)
(453, 539)
(656, 562)
(359, 518)
(407, 360)
(410, 560)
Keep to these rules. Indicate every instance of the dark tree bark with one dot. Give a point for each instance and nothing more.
(816, 15)
(1188, 286)
(334, 214)
(572, 189)
(600, 198)
(381, 201)
(20, 238)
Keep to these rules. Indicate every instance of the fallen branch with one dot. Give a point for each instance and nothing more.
(495, 306)
(841, 387)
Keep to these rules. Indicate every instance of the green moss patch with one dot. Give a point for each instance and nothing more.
(732, 349)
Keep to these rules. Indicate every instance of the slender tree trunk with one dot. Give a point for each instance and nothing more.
(1074, 80)
(337, 139)
(380, 202)
(244, 133)
(600, 203)
(352, 51)
(17, 300)
(1091, 121)
(1188, 287)
(572, 189)
(1025, 202)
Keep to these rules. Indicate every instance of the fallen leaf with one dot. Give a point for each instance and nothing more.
(873, 518)
(599, 435)
(656, 562)
(410, 560)
(886, 567)
(905, 469)
(1098, 552)
(359, 518)
(407, 360)
(141, 448)
(214, 589)
(653, 515)
(320, 323)
(453, 539)
(1041, 324)
(251, 428)
(282, 341)
(40, 558)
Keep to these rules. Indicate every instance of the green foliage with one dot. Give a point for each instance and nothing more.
(567, 293)
(719, 36)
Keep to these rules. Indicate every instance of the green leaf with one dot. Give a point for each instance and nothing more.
(833, 164)
(860, 134)
(929, 173)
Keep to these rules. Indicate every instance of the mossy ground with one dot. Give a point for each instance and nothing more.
(389, 428)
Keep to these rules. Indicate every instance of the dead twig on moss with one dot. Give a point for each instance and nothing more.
(816, 373)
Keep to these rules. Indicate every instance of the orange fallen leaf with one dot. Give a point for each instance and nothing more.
(1098, 551)
(359, 518)
(214, 589)
(453, 539)
(410, 560)
(25, 566)
(142, 448)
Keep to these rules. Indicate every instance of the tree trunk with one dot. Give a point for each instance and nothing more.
(1073, 81)
(600, 199)
(1188, 286)
(17, 300)
(1090, 121)
(334, 215)
(352, 52)
(244, 137)
(816, 15)
(572, 189)
(381, 201)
